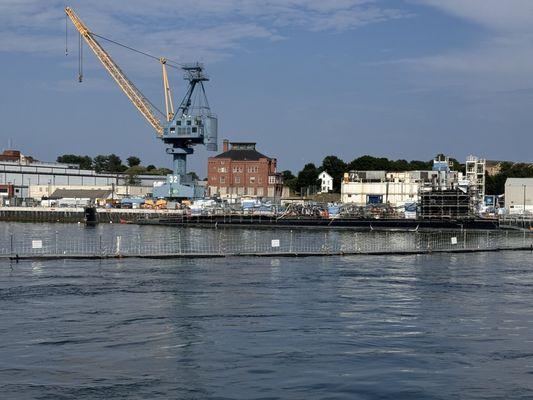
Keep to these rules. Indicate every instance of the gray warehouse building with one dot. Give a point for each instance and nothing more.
(20, 174)
(519, 195)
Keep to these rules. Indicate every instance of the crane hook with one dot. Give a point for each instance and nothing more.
(80, 59)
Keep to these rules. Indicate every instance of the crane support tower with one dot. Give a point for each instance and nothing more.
(192, 124)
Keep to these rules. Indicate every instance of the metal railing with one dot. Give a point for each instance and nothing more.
(227, 242)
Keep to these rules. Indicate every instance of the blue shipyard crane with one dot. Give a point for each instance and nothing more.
(192, 124)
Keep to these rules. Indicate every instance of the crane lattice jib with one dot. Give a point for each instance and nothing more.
(134, 94)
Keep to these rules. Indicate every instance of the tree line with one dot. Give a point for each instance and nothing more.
(308, 176)
(336, 167)
(112, 163)
(496, 184)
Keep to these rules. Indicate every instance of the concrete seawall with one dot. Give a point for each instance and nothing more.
(176, 218)
(44, 257)
(74, 215)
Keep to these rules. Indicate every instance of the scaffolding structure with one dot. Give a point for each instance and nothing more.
(452, 203)
(475, 174)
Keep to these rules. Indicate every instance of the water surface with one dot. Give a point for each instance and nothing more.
(363, 327)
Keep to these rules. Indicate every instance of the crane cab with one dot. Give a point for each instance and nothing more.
(195, 129)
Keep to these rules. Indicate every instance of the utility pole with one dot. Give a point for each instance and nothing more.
(524, 187)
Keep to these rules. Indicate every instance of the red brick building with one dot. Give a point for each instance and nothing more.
(7, 191)
(15, 156)
(240, 170)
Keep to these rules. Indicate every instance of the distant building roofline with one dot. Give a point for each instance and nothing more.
(241, 151)
(81, 194)
(518, 181)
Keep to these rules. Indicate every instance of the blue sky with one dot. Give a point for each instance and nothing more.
(303, 78)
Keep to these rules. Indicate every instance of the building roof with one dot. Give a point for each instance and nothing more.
(242, 155)
(81, 194)
(10, 155)
(519, 181)
(243, 145)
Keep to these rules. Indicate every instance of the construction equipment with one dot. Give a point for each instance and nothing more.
(192, 124)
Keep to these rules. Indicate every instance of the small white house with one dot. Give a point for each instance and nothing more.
(326, 184)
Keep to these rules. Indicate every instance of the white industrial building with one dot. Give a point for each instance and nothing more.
(326, 182)
(77, 197)
(519, 195)
(36, 179)
(375, 187)
(397, 188)
(37, 192)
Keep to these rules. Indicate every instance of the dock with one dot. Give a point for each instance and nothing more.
(364, 224)
(77, 215)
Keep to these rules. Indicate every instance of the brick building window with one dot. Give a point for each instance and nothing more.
(252, 179)
(237, 179)
(255, 168)
(222, 179)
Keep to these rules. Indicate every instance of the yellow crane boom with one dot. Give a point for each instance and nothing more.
(169, 106)
(134, 94)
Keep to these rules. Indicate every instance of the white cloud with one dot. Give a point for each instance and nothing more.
(502, 15)
(501, 60)
(208, 29)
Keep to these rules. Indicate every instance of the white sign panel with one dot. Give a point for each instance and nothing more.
(275, 242)
(36, 244)
(454, 240)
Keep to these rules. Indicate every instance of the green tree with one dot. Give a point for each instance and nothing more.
(287, 174)
(496, 184)
(85, 162)
(399, 166)
(133, 174)
(101, 163)
(307, 177)
(110, 163)
(194, 176)
(115, 163)
(415, 165)
(335, 167)
(369, 163)
(133, 161)
(289, 180)
(160, 171)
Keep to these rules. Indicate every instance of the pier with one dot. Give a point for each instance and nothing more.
(76, 214)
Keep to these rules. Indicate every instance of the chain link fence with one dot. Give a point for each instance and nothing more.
(230, 242)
